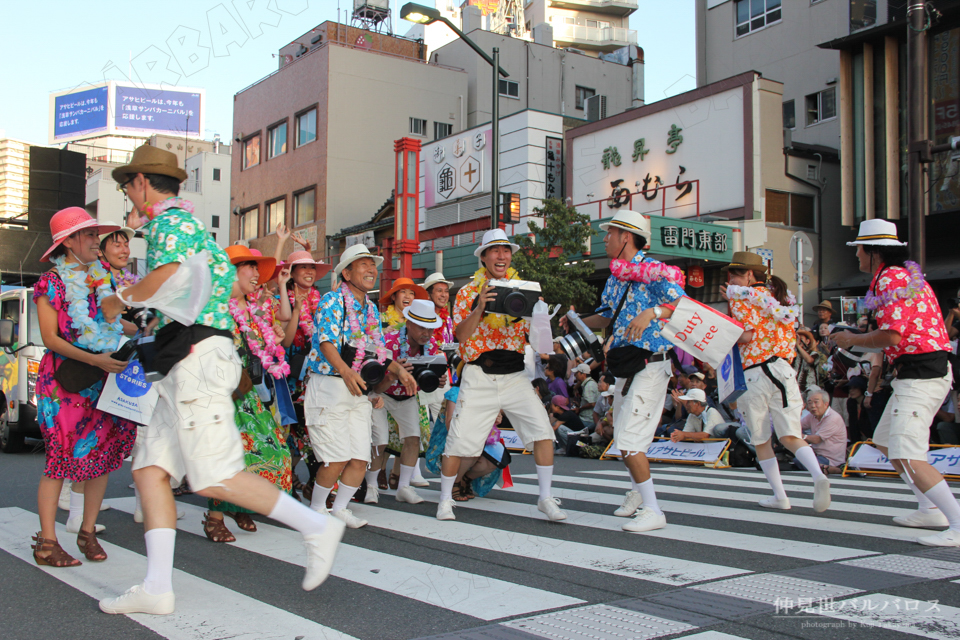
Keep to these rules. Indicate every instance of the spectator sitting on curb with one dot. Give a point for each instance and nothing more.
(604, 400)
(702, 421)
(589, 393)
(564, 421)
(824, 430)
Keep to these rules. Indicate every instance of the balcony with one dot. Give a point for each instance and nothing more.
(619, 8)
(594, 38)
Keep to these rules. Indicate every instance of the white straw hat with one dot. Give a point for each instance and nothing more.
(353, 254)
(495, 237)
(423, 313)
(629, 221)
(877, 232)
(435, 278)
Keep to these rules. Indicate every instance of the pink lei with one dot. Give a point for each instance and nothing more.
(362, 337)
(890, 296)
(309, 308)
(646, 272)
(257, 329)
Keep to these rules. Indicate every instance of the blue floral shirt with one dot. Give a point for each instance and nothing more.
(328, 324)
(640, 296)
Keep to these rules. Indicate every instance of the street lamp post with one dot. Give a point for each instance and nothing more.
(427, 15)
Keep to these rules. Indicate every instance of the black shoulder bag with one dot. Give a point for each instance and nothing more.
(628, 360)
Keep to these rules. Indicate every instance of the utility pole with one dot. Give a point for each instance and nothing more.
(917, 138)
(495, 144)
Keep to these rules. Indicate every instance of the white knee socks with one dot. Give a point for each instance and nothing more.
(544, 479)
(446, 487)
(771, 469)
(160, 544)
(344, 494)
(76, 505)
(318, 501)
(808, 459)
(649, 495)
(923, 502)
(418, 469)
(296, 516)
(941, 496)
(371, 478)
(406, 475)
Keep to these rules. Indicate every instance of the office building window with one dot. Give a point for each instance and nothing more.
(249, 223)
(821, 106)
(276, 214)
(306, 127)
(418, 126)
(251, 151)
(277, 140)
(442, 130)
(582, 93)
(510, 88)
(752, 15)
(216, 175)
(789, 115)
(215, 222)
(863, 14)
(304, 204)
(789, 209)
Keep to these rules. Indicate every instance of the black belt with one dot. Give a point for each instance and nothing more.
(765, 367)
(397, 397)
(656, 357)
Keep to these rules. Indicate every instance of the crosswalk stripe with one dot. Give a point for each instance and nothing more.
(759, 515)
(234, 615)
(697, 535)
(896, 613)
(878, 483)
(711, 635)
(642, 566)
(665, 488)
(459, 591)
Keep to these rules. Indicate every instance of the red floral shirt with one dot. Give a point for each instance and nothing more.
(916, 318)
(397, 342)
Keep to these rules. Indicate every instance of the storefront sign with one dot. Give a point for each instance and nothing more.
(695, 277)
(689, 239)
(554, 183)
(457, 167)
(667, 451)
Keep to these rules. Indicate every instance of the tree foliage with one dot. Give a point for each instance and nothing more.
(549, 259)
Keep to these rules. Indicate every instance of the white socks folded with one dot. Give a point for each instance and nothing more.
(371, 478)
(76, 505)
(344, 495)
(771, 469)
(649, 495)
(160, 544)
(808, 459)
(446, 487)
(406, 475)
(943, 498)
(544, 479)
(296, 516)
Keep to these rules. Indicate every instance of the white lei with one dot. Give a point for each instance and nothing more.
(762, 299)
(96, 335)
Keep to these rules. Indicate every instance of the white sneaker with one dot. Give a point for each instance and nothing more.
(445, 510)
(321, 550)
(551, 507)
(646, 520)
(923, 518)
(631, 503)
(948, 538)
(136, 600)
(138, 515)
(408, 494)
(821, 495)
(373, 495)
(419, 481)
(775, 503)
(349, 519)
(73, 525)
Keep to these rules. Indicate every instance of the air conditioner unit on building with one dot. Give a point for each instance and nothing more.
(596, 107)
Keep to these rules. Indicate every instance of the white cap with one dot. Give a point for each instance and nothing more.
(696, 395)
(582, 368)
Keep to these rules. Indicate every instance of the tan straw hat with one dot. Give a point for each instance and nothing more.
(747, 260)
(150, 160)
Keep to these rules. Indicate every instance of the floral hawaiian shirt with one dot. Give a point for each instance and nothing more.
(640, 296)
(917, 319)
(175, 235)
(396, 341)
(512, 336)
(771, 337)
(328, 323)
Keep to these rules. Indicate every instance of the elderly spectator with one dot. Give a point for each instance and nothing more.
(604, 400)
(824, 430)
(702, 421)
(564, 421)
(589, 393)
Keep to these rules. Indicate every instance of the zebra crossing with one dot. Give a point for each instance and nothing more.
(722, 569)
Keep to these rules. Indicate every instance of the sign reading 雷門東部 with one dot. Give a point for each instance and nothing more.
(690, 239)
(457, 166)
(661, 155)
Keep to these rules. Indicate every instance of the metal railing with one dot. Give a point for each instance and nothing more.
(594, 35)
(599, 4)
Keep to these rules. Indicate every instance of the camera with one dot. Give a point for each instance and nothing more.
(427, 371)
(372, 372)
(581, 341)
(515, 298)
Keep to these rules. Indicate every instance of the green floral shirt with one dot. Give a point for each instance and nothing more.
(175, 235)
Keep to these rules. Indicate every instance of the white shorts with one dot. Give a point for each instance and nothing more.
(407, 415)
(434, 401)
(637, 416)
(482, 397)
(762, 401)
(904, 427)
(192, 432)
(380, 429)
(339, 424)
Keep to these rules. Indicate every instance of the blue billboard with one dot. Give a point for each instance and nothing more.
(157, 110)
(79, 113)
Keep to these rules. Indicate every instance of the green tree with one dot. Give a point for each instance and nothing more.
(550, 259)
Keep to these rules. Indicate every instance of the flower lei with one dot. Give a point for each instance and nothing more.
(492, 320)
(393, 318)
(646, 272)
(307, 309)
(260, 337)
(890, 296)
(153, 210)
(444, 333)
(760, 297)
(95, 334)
(359, 337)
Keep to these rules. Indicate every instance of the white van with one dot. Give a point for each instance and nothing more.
(20, 353)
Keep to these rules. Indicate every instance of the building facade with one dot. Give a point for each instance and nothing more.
(14, 177)
(593, 26)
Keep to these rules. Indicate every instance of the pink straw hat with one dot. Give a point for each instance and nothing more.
(66, 222)
(304, 257)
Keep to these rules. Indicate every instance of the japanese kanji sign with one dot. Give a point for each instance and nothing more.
(457, 167)
(554, 160)
(83, 112)
(690, 239)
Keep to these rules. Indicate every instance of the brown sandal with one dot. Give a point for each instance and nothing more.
(216, 530)
(57, 558)
(468, 488)
(394, 481)
(382, 479)
(458, 493)
(90, 547)
(307, 491)
(243, 520)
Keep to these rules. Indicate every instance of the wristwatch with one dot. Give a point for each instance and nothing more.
(657, 312)
(867, 394)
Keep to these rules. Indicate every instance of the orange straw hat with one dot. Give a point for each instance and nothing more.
(419, 292)
(67, 222)
(304, 257)
(240, 254)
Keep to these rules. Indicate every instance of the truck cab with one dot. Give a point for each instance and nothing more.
(19, 366)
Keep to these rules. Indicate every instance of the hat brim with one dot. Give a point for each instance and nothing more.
(688, 398)
(616, 223)
(130, 233)
(121, 174)
(378, 260)
(86, 224)
(437, 322)
(446, 282)
(419, 293)
(265, 266)
(756, 268)
(878, 243)
(817, 307)
(322, 267)
(483, 247)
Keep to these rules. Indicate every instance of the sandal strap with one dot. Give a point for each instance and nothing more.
(213, 527)
(90, 546)
(58, 557)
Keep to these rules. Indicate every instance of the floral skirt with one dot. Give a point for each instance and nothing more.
(394, 445)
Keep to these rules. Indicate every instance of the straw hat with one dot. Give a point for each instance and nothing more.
(240, 254)
(404, 283)
(150, 160)
(825, 304)
(495, 237)
(304, 257)
(423, 313)
(66, 222)
(435, 278)
(351, 255)
(629, 221)
(747, 260)
(130, 233)
(877, 232)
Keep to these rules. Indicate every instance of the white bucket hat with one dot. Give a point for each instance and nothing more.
(423, 313)
(435, 278)
(629, 221)
(878, 233)
(353, 254)
(495, 237)
(126, 230)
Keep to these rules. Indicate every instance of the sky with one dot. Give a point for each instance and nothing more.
(52, 45)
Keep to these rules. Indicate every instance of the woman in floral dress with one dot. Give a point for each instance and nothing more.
(83, 444)
(264, 444)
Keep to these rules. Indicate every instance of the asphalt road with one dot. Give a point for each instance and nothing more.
(722, 566)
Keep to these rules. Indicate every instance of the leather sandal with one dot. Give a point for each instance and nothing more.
(57, 557)
(458, 494)
(243, 520)
(468, 489)
(394, 481)
(382, 479)
(216, 530)
(90, 547)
